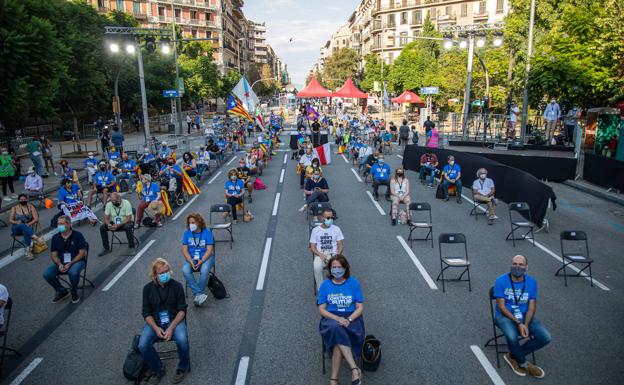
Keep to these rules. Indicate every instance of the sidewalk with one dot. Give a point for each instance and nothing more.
(597, 191)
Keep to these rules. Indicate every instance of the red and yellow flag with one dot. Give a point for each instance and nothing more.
(188, 185)
(166, 210)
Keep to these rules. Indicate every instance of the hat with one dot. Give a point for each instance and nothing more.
(31, 170)
(90, 153)
(163, 143)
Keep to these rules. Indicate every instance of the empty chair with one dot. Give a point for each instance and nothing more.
(520, 219)
(577, 253)
(223, 211)
(454, 260)
(316, 208)
(420, 218)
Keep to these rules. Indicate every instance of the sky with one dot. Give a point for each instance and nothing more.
(310, 23)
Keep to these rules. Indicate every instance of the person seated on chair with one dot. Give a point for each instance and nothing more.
(325, 242)
(117, 217)
(197, 250)
(164, 153)
(222, 144)
(90, 165)
(103, 183)
(381, 177)
(251, 162)
(365, 152)
(483, 190)
(66, 172)
(147, 157)
(428, 166)
(516, 302)
(399, 190)
(234, 190)
(341, 304)
(370, 161)
(128, 168)
(150, 199)
(68, 251)
(214, 150)
(172, 173)
(452, 176)
(316, 189)
(315, 165)
(33, 184)
(305, 161)
(69, 194)
(203, 161)
(23, 219)
(114, 157)
(189, 164)
(164, 311)
(244, 174)
(4, 298)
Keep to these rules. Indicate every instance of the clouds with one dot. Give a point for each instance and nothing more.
(309, 23)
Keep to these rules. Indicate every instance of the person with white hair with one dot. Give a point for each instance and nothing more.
(33, 184)
(483, 191)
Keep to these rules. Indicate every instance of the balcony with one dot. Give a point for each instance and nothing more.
(447, 19)
(205, 4)
(140, 15)
(378, 26)
(402, 5)
(480, 15)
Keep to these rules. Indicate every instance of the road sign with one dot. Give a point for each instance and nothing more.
(181, 85)
(171, 93)
(429, 90)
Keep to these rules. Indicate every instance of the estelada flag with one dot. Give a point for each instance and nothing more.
(235, 107)
(166, 210)
(188, 186)
(323, 153)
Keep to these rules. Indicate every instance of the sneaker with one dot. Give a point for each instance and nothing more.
(393, 222)
(513, 364)
(376, 197)
(105, 251)
(29, 253)
(459, 200)
(155, 378)
(201, 299)
(196, 300)
(75, 298)
(446, 199)
(490, 221)
(179, 375)
(535, 371)
(7, 199)
(430, 185)
(60, 296)
(302, 208)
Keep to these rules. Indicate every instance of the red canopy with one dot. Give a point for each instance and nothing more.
(408, 97)
(349, 90)
(314, 90)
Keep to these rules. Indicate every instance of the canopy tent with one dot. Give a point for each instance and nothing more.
(408, 97)
(314, 90)
(349, 90)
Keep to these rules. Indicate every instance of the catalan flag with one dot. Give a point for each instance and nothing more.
(235, 107)
(188, 185)
(166, 210)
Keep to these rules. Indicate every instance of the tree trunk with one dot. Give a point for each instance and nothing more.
(76, 134)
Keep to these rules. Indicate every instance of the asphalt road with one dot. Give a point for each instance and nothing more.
(266, 332)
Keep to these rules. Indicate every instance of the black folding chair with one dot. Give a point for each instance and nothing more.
(315, 209)
(477, 208)
(454, 260)
(115, 240)
(16, 238)
(579, 255)
(224, 211)
(4, 334)
(520, 219)
(417, 222)
(493, 342)
(83, 280)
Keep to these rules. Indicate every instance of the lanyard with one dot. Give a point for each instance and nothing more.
(513, 289)
(160, 297)
(400, 184)
(195, 243)
(481, 182)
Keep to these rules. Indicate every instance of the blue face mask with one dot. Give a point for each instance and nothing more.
(380, 161)
(337, 272)
(328, 222)
(164, 277)
(61, 228)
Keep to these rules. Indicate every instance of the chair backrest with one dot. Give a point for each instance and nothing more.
(318, 207)
(573, 235)
(419, 206)
(220, 208)
(576, 241)
(9, 304)
(452, 238)
(521, 208)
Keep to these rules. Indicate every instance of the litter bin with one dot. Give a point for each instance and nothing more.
(171, 128)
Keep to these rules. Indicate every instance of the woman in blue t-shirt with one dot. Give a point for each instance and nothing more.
(234, 190)
(340, 303)
(197, 250)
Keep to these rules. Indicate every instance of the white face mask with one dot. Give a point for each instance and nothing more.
(483, 176)
(193, 226)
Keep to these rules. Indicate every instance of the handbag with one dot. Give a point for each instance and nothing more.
(216, 287)
(371, 353)
(39, 248)
(248, 216)
(134, 367)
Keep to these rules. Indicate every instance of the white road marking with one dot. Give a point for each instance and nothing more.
(231, 160)
(400, 156)
(356, 175)
(214, 177)
(276, 203)
(285, 158)
(419, 266)
(381, 211)
(27, 370)
(264, 265)
(487, 366)
(185, 207)
(129, 265)
(345, 158)
(241, 374)
(281, 179)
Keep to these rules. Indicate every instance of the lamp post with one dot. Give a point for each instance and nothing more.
(525, 97)
(383, 81)
(177, 69)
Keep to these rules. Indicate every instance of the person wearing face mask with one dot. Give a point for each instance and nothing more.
(23, 218)
(68, 252)
(244, 174)
(341, 304)
(305, 161)
(35, 148)
(189, 164)
(552, 113)
(483, 190)
(117, 217)
(128, 168)
(164, 152)
(114, 156)
(203, 161)
(150, 199)
(197, 250)
(381, 177)
(316, 189)
(164, 311)
(314, 166)
(516, 304)
(90, 165)
(399, 190)
(428, 167)
(170, 173)
(452, 176)
(33, 184)
(7, 171)
(234, 190)
(103, 183)
(325, 242)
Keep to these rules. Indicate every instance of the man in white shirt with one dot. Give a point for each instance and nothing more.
(514, 112)
(203, 161)
(552, 113)
(305, 161)
(33, 184)
(325, 242)
(483, 192)
(4, 298)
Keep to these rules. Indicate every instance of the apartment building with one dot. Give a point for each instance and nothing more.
(260, 42)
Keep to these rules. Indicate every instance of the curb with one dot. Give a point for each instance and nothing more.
(596, 193)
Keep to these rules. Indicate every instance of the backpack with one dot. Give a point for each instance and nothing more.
(216, 287)
(371, 353)
(134, 367)
(258, 185)
(148, 222)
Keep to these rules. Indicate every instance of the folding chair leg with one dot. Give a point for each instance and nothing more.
(15, 352)
(591, 277)
(469, 283)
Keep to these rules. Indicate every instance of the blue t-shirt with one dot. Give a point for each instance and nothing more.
(164, 152)
(169, 173)
(221, 143)
(103, 178)
(340, 298)
(197, 243)
(114, 155)
(69, 197)
(380, 172)
(129, 165)
(452, 172)
(150, 193)
(517, 303)
(148, 157)
(234, 187)
(90, 162)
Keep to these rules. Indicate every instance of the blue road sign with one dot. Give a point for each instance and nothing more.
(171, 93)
(429, 90)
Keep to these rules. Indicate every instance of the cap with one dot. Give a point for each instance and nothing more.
(90, 153)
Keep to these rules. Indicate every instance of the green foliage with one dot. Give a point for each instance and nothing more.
(228, 82)
(200, 73)
(372, 72)
(340, 65)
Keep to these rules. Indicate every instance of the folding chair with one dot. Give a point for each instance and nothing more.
(315, 209)
(226, 222)
(16, 237)
(2, 222)
(477, 208)
(493, 342)
(38, 196)
(213, 270)
(83, 277)
(4, 334)
(416, 223)
(520, 218)
(580, 256)
(115, 240)
(454, 260)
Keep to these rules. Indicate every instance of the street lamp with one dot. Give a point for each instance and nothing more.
(448, 44)
(481, 43)
(130, 49)
(114, 47)
(463, 44)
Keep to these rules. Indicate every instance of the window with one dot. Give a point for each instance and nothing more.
(194, 33)
(448, 10)
(390, 57)
(178, 13)
(403, 38)
(136, 7)
(120, 5)
(403, 17)
(499, 6)
(391, 22)
(161, 11)
(208, 16)
(464, 10)
(482, 6)
(390, 41)
(378, 42)
(100, 3)
(417, 17)
(193, 15)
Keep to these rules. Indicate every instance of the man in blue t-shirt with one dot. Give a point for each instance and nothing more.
(452, 176)
(150, 199)
(128, 168)
(103, 183)
(381, 177)
(114, 156)
(516, 301)
(91, 165)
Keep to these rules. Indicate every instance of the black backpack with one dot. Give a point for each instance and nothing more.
(134, 367)
(216, 287)
(371, 353)
(149, 222)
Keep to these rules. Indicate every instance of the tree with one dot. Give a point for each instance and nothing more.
(340, 65)
(228, 82)
(372, 72)
(200, 73)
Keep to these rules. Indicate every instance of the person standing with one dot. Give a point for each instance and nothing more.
(189, 123)
(514, 112)
(117, 138)
(47, 153)
(404, 132)
(7, 172)
(34, 148)
(552, 113)
(570, 123)
(104, 139)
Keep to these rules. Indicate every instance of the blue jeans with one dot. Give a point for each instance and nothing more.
(25, 230)
(201, 167)
(198, 286)
(146, 346)
(541, 338)
(52, 276)
(428, 170)
(458, 185)
(38, 164)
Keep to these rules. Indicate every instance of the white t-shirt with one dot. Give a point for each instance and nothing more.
(483, 187)
(326, 240)
(513, 115)
(400, 188)
(4, 296)
(306, 160)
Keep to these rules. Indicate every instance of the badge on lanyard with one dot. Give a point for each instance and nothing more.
(67, 257)
(118, 220)
(517, 313)
(164, 318)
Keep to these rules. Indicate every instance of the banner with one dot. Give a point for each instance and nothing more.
(78, 211)
(323, 153)
(243, 91)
